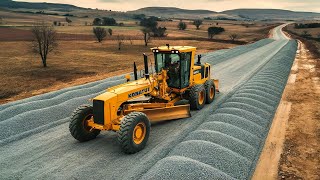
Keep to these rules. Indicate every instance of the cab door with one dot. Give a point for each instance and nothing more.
(185, 69)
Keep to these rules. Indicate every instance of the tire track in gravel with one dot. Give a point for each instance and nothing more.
(54, 154)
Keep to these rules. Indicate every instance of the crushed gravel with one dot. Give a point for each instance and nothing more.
(230, 140)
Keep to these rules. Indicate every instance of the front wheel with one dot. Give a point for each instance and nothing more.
(134, 132)
(78, 126)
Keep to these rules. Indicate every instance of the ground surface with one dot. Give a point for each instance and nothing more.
(301, 152)
(294, 153)
(35, 141)
(79, 59)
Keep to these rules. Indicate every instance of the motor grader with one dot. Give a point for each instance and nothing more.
(129, 108)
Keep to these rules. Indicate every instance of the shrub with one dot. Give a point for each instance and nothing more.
(160, 32)
(182, 26)
(212, 31)
(306, 34)
(109, 21)
(197, 23)
(97, 22)
(233, 36)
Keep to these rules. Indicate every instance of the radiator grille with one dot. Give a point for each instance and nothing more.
(98, 111)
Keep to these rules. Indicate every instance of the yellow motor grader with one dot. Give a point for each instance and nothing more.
(129, 108)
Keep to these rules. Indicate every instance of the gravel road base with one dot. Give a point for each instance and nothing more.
(229, 141)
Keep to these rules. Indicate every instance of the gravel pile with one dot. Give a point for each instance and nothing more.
(56, 93)
(39, 113)
(228, 143)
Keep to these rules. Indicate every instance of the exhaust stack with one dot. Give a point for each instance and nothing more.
(146, 68)
(135, 71)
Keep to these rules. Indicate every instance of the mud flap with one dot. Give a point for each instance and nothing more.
(216, 84)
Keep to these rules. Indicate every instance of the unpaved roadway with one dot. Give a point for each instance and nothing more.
(36, 143)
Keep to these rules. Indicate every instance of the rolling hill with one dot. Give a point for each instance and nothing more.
(170, 12)
(173, 12)
(27, 5)
(271, 14)
(258, 14)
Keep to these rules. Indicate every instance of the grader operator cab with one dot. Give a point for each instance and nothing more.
(176, 77)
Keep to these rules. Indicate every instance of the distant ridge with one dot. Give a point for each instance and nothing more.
(271, 14)
(174, 12)
(28, 5)
(236, 13)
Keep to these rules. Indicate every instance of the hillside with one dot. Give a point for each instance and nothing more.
(170, 12)
(258, 14)
(27, 5)
(271, 14)
(173, 12)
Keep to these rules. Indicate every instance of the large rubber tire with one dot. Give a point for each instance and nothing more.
(197, 97)
(126, 134)
(77, 126)
(210, 91)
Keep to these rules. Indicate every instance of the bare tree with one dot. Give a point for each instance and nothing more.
(68, 20)
(120, 41)
(44, 40)
(233, 37)
(100, 33)
(305, 34)
(146, 35)
(110, 31)
(130, 40)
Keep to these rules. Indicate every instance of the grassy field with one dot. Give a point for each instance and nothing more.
(80, 59)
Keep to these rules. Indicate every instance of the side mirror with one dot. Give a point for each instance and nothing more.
(199, 59)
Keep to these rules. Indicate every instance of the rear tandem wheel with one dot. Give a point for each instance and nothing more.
(197, 97)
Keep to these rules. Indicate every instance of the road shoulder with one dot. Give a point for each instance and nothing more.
(292, 154)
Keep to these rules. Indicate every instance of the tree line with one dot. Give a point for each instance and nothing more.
(307, 25)
(45, 41)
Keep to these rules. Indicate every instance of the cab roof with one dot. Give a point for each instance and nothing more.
(179, 48)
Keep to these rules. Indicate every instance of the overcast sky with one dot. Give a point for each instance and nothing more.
(215, 5)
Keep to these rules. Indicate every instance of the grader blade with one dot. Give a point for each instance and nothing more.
(168, 113)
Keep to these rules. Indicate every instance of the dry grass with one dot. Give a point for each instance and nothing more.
(79, 59)
(75, 62)
(312, 44)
